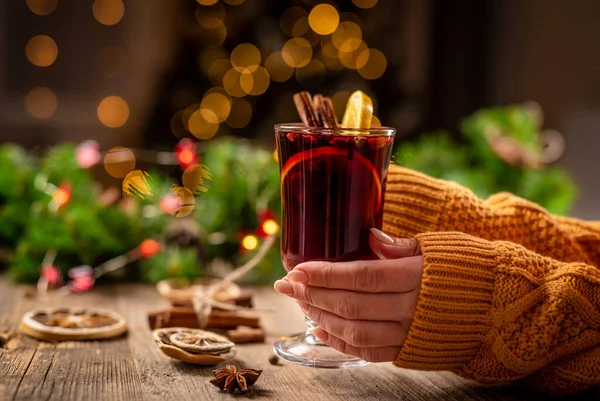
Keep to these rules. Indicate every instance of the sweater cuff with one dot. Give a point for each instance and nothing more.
(413, 202)
(452, 316)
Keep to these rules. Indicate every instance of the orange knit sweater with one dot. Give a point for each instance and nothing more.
(509, 291)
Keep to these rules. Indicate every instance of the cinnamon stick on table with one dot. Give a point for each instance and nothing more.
(244, 336)
(186, 317)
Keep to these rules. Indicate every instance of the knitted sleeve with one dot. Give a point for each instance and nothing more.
(495, 311)
(416, 203)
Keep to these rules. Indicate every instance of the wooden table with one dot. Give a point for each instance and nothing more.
(132, 367)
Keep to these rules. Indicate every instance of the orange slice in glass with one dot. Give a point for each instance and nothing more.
(359, 165)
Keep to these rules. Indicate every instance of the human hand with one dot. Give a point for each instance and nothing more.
(363, 308)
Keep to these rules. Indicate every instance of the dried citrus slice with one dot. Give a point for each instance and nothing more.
(304, 161)
(359, 111)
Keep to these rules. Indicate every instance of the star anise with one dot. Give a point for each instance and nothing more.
(230, 378)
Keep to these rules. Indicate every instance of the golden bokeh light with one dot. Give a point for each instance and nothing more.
(297, 52)
(290, 17)
(41, 50)
(328, 48)
(311, 73)
(185, 201)
(255, 83)
(340, 100)
(241, 113)
(250, 242)
(324, 19)
(355, 59)
(135, 184)
(270, 227)
(207, 2)
(111, 60)
(201, 127)
(113, 111)
(187, 113)
(347, 37)
(245, 56)
(211, 17)
(375, 65)
(212, 37)
(108, 12)
(42, 7)
(177, 127)
(209, 55)
(364, 3)
(231, 83)
(215, 107)
(41, 103)
(234, 2)
(278, 69)
(119, 161)
(217, 70)
(300, 27)
(195, 178)
(331, 63)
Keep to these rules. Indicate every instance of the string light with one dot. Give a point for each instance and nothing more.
(209, 55)
(42, 7)
(244, 57)
(347, 37)
(149, 248)
(41, 50)
(108, 12)
(119, 161)
(62, 195)
(195, 178)
(323, 19)
(364, 3)
(113, 111)
(241, 113)
(290, 17)
(249, 242)
(41, 103)
(297, 52)
(277, 68)
(355, 59)
(185, 201)
(255, 83)
(270, 227)
(136, 184)
(375, 65)
(215, 106)
(231, 83)
(211, 17)
(217, 70)
(300, 27)
(201, 127)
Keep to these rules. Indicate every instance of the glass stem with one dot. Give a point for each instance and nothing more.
(310, 338)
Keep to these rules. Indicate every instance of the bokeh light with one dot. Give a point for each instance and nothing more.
(241, 113)
(311, 73)
(176, 124)
(113, 111)
(297, 52)
(277, 68)
(276, 156)
(108, 12)
(300, 27)
(255, 83)
(231, 83)
(375, 65)
(41, 103)
(215, 106)
(135, 184)
(347, 37)
(41, 50)
(119, 161)
(195, 178)
(212, 37)
(209, 55)
(340, 100)
(42, 7)
(250, 242)
(355, 59)
(200, 127)
(185, 201)
(290, 17)
(364, 3)
(207, 2)
(245, 56)
(211, 17)
(324, 19)
(217, 70)
(270, 227)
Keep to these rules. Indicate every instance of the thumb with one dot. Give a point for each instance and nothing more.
(387, 247)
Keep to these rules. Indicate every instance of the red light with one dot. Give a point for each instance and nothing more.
(149, 248)
(186, 156)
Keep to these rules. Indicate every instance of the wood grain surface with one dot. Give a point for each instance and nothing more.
(132, 368)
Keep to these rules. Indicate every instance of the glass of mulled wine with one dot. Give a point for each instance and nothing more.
(332, 190)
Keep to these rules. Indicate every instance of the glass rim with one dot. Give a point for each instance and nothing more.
(301, 128)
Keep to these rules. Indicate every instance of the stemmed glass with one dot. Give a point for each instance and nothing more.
(332, 188)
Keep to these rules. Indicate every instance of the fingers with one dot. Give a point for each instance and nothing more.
(354, 305)
(358, 333)
(387, 247)
(371, 354)
(386, 275)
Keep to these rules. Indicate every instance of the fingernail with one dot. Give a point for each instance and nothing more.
(321, 334)
(284, 287)
(382, 237)
(298, 276)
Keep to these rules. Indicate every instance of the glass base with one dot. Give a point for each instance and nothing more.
(306, 350)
